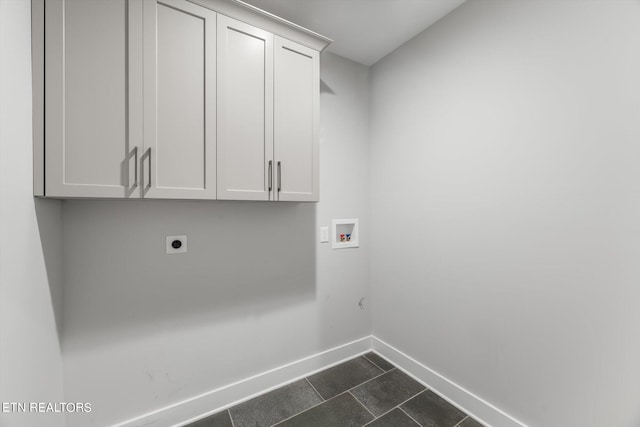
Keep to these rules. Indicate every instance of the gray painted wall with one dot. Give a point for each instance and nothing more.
(256, 290)
(505, 227)
(506, 207)
(30, 261)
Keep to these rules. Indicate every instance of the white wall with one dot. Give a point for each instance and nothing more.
(506, 206)
(30, 363)
(143, 330)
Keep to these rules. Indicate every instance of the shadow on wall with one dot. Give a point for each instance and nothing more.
(244, 259)
(49, 217)
(324, 88)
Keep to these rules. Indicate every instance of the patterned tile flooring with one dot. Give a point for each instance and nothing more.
(365, 391)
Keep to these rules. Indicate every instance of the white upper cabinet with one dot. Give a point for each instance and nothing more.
(174, 99)
(296, 121)
(179, 160)
(90, 132)
(245, 111)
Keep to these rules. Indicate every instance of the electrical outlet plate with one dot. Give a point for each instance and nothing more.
(171, 249)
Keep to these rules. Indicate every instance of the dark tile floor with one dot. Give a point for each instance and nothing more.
(365, 391)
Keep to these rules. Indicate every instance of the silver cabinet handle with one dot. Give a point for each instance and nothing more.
(279, 176)
(270, 175)
(149, 156)
(135, 156)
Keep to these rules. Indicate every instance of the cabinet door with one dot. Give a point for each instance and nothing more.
(92, 125)
(296, 121)
(179, 160)
(245, 111)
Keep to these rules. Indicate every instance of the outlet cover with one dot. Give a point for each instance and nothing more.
(324, 234)
(176, 245)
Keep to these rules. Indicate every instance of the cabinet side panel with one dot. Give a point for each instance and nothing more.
(37, 70)
(54, 99)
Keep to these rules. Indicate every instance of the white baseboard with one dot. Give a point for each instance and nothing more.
(445, 388)
(190, 410)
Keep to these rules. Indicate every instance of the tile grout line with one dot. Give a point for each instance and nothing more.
(308, 409)
(402, 403)
(314, 389)
(326, 400)
(350, 392)
(446, 398)
(397, 406)
(362, 404)
(405, 412)
(373, 420)
(373, 363)
(340, 394)
(369, 380)
(461, 421)
(231, 418)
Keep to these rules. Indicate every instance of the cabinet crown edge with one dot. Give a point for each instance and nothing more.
(252, 15)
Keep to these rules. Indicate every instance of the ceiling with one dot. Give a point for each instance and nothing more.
(362, 30)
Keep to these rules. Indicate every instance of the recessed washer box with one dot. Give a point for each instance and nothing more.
(345, 234)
